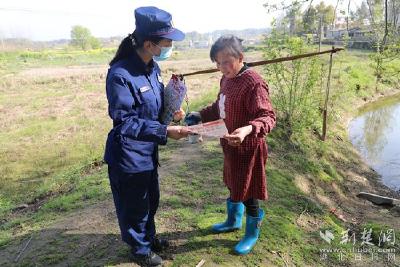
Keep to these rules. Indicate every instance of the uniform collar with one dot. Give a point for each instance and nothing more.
(140, 66)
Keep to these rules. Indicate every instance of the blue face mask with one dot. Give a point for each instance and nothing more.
(166, 52)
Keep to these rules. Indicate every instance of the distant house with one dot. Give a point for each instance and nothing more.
(366, 22)
(201, 44)
(340, 22)
(359, 34)
(249, 42)
(354, 33)
(358, 38)
(336, 34)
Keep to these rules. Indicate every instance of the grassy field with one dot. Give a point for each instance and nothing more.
(53, 127)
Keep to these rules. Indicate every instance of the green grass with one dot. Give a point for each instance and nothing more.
(48, 127)
(52, 140)
(185, 194)
(12, 62)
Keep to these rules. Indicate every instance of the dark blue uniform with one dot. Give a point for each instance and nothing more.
(135, 97)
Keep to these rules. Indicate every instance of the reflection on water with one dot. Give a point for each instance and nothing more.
(376, 135)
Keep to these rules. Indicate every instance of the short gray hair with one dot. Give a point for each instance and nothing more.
(231, 43)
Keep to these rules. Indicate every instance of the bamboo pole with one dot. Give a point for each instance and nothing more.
(271, 61)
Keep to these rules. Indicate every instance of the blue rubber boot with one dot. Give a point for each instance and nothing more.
(253, 225)
(235, 212)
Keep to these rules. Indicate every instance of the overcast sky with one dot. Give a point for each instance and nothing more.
(51, 19)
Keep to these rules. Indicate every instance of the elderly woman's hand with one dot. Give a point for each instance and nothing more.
(238, 135)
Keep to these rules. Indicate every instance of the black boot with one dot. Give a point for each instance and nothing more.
(159, 244)
(151, 259)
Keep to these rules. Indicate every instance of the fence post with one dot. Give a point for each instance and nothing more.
(328, 85)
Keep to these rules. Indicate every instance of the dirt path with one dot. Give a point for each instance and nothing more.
(89, 236)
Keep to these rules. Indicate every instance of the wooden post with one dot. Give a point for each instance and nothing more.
(325, 113)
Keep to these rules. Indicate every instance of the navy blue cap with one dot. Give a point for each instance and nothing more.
(155, 22)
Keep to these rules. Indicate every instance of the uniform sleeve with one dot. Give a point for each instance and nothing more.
(260, 109)
(121, 108)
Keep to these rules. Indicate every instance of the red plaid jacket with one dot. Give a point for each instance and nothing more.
(244, 100)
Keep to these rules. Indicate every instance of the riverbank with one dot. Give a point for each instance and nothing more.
(360, 103)
(365, 104)
(374, 132)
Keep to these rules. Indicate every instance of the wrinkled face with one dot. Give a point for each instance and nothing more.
(228, 64)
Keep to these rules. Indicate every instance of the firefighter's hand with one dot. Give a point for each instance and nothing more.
(177, 132)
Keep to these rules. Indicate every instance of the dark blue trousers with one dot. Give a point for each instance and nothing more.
(136, 199)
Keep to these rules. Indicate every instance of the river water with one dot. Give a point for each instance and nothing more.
(375, 133)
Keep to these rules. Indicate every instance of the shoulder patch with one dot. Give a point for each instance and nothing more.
(159, 78)
(144, 89)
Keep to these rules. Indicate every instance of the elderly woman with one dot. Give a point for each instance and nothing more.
(243, 103)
